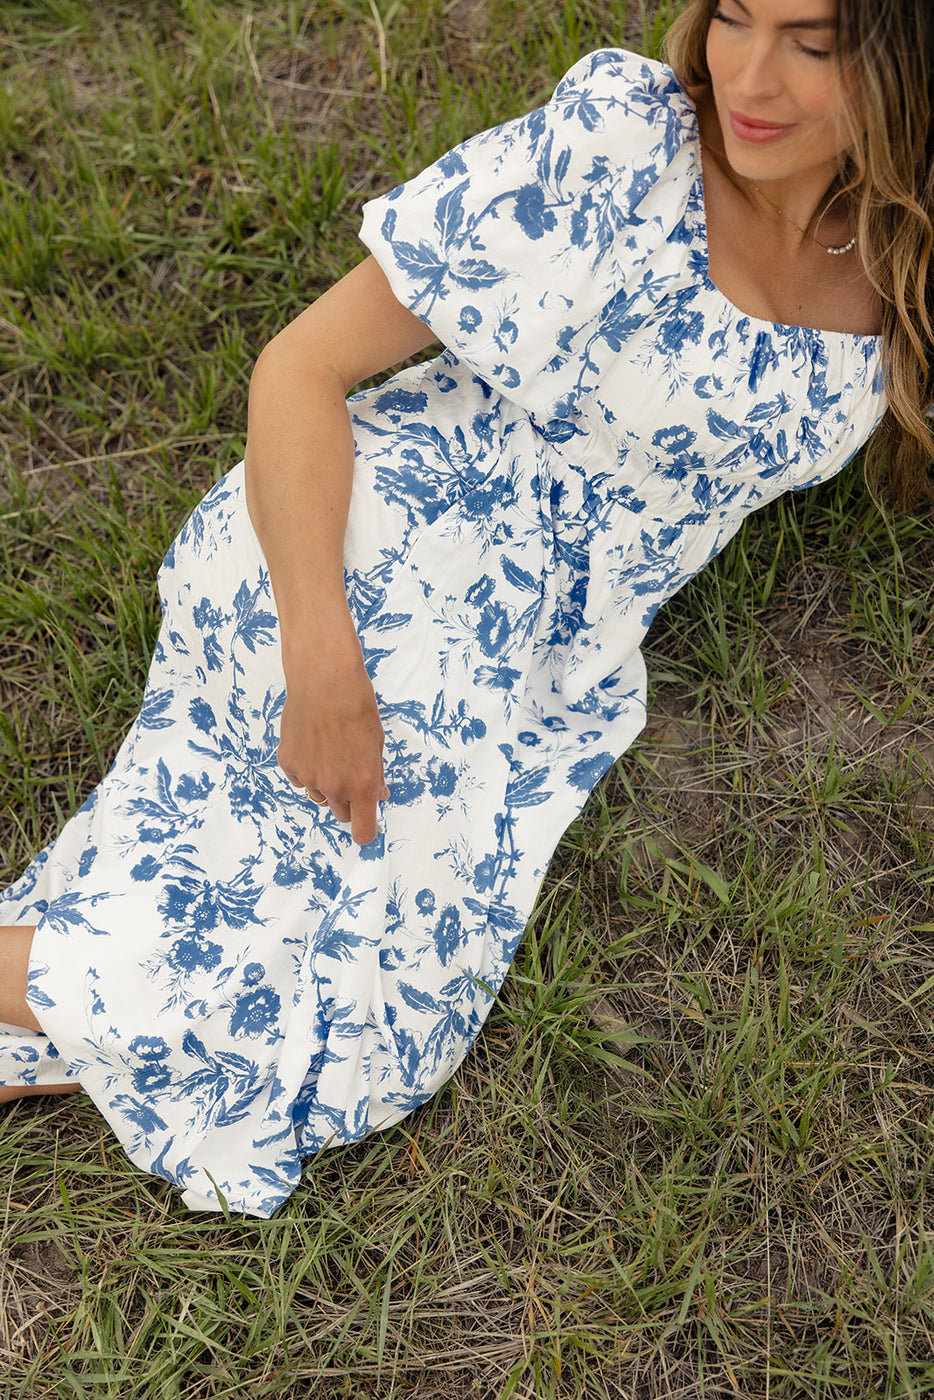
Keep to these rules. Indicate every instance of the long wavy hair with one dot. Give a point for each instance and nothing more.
(886, 178)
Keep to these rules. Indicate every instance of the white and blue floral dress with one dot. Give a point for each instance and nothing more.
(233, 981)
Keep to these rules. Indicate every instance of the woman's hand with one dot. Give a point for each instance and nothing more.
(331, 740)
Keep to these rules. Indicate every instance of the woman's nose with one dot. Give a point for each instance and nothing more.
(760, 74)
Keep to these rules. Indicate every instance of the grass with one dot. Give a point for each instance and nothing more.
(691, 1156)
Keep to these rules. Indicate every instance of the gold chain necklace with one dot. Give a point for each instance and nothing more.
(834, 252)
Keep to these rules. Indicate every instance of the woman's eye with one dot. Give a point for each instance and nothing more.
(814, 53)
(733, 23)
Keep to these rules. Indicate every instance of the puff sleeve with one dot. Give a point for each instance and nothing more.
(510, 241)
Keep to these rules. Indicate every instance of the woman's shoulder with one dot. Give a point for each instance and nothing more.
(613, 111)
(614, 106)
(526, 231)
(618, 83)
(621, 68)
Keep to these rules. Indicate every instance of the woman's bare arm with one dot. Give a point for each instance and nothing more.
(299, 465)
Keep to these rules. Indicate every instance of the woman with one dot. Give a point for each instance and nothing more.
(279, 922)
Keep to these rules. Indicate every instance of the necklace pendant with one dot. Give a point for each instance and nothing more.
(834, 252)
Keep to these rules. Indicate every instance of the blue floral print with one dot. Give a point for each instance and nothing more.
(233, 981)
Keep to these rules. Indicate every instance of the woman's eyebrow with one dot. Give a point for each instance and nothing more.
(827, 23)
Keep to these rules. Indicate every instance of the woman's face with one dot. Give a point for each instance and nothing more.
(777, 87)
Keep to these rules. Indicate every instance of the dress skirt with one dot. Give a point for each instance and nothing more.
(233, 981)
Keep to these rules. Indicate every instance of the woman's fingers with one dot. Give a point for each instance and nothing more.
(352, 785)
(331, 744)
(362, 815)
(364, 824)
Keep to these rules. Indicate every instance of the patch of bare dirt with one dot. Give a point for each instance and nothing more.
(36, 1282)
(835, 706)
(309, 87)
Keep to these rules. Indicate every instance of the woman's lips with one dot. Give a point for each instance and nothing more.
(749, 129)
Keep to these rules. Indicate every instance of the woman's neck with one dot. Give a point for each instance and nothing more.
(773, 265)
(803, 200)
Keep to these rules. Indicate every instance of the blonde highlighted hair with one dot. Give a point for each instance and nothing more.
(886, 50)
